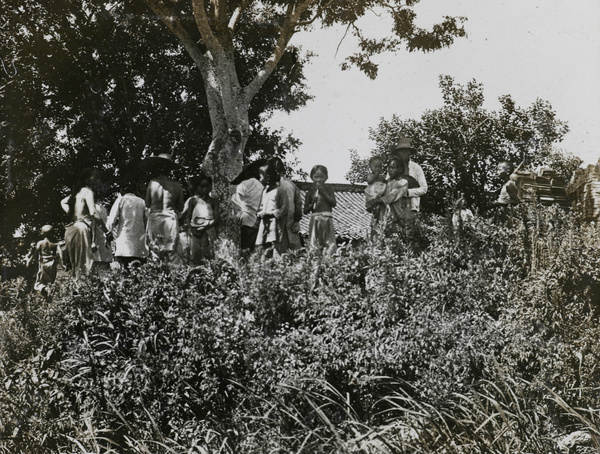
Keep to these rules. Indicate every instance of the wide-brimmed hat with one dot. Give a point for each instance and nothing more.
(250, 171)
(161, 161)
(46, 229)
(404, 143)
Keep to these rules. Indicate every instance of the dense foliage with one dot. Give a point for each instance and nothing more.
(486, 340)
(460, 144)
(102, 83)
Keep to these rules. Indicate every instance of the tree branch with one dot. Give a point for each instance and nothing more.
(203, 24)
(317, 14)
(237, 13)
(167, 16)
(288, 29)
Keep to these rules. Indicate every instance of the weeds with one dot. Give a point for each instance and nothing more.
(484, 342)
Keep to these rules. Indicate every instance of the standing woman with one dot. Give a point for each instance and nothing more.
(246, 202)
(79, 233)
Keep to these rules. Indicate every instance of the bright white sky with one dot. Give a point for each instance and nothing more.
(548, 49)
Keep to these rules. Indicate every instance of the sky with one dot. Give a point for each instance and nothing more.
(530, 49)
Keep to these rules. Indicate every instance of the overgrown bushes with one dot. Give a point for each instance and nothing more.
(315, 354)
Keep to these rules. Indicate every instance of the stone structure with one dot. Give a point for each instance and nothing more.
(584, 192)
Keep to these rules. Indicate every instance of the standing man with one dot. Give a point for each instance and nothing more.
(291, 233)
(164, 199)
(403, 152)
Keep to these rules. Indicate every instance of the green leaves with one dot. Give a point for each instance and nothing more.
(460, 144)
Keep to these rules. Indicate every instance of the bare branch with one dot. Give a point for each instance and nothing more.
(337, 49)
(203, 24)
(169, 18)
(288, 29)
(237, 13)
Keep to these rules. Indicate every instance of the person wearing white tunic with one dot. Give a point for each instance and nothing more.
(127, 224)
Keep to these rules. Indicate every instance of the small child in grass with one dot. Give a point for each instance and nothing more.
(320, 201)
(48, 254)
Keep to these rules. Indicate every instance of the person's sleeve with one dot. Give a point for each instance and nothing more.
(186, 210)
(422, 189)
(64, 203)
(149, 195)
(281, 202)
(113, 217)
(394, 195)
(329, 196)
(297, 205)
(308, 202)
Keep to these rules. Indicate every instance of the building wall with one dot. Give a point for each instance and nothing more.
(584, 192)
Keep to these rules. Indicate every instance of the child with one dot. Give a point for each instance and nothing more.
(375, 188)
(127, 221)
(272, 213)
(201, 215)
(320, 201)
(47, 254)
(399, 212)
(462, 215)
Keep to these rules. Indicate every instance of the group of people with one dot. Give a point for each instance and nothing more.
(395, 203)
(266, 205)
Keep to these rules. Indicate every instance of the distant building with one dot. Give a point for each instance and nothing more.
(350, 219)
(584, 192)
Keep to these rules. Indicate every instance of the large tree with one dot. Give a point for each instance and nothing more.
(95, 83)
(214, 33)
(460, 144)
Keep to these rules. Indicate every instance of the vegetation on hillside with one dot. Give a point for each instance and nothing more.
(484, 342)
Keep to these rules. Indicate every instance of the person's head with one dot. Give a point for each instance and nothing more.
(403, 149)
(403, 155)
(271, 176)
(89, 177)
(319, 174)
(461, 203)
(201, 185)
(46, 231)
(505, 169)
(376, 165)
(128, 185)
(279, 165)
(395, 167)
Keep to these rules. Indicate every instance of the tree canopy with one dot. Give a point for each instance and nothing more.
(217, 32)
(460, 144)
(96, 83)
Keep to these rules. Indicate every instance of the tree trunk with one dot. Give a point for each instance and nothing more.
(231, 129)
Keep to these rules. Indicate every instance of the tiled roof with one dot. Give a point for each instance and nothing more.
(350, 219)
